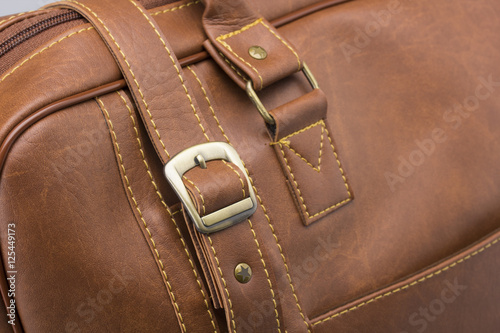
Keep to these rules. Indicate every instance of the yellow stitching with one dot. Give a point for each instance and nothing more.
(209, 103)
(221, 38)
(284, 42)
(239, 176)
(268, 221)
(322, 123)
(201, 195)
(339, 164)
(232, 66)
(276, 314)
(318, 168)
(231, 34)
(410, 284)
(13, 17)
(43, 50)
(131, 72)
(225, 284)
(168, 210)
(175, 66)
(129, 187)
(246, 170)
(279, 248)
(246, 62)
(176, 8)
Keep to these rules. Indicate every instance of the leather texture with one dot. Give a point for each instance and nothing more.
(406, 123)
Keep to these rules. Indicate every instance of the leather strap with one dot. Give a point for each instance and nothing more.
(151, 70)
(171, 117)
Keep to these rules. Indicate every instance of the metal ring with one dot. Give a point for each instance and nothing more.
(258, 103)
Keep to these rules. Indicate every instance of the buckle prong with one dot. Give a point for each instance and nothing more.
(198, 156)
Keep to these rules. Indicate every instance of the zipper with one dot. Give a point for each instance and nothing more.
(36, 29)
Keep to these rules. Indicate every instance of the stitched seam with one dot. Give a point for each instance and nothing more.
(197, 188)
(232, 66)
(221, 39)
(318, 168)
(321, 122)
(251, 226)
(130, 70)
(302, 201)
(284, 43)
(237, 174)
(269, 223)
(427, 277)
(43, 50)
(246, 62)
(175, 66)
(276, 314)
(225, 284)
(234, 33)
(129, 188)
(209, 103)
(157, 191)
(281, 144)
(339, 164)
(13, 17)
(176, 8)
(46, 48)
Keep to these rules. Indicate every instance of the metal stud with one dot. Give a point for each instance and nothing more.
(243, 273)
(257, 52)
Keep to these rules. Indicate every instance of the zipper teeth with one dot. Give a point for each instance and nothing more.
(36, 29)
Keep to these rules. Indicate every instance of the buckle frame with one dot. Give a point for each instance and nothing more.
(258, 103)
(196, 156)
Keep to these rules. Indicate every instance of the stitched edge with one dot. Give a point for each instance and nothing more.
(234, 33)
(197, 189)
(157, 191)
(13, 17)
(129, 188)
(221, 39)
(284, 43)
(60, 40)
(130, 70)
(181, 79)
(276, 314)
(392, 292)
(246, 62)
(233, 322)
(176, 8)
(209, 103)
(43, 50)
(322, 123)
(232, 66)
(239, 176)
(318, 168)
(265, 214)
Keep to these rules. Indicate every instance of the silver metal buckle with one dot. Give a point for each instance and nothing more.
(197, 156)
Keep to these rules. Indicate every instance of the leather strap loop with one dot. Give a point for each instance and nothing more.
(245, 43)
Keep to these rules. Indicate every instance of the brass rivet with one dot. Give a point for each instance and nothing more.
(243, 273)
(257, 52)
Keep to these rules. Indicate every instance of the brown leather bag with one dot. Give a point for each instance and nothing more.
(251, 166)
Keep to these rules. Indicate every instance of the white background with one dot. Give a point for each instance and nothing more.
(8, 7)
